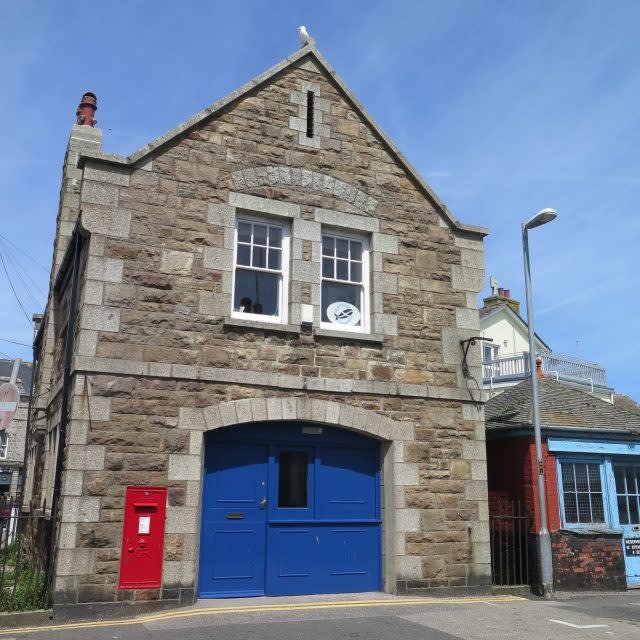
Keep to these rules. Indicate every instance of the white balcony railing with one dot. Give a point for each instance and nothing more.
(515, 368)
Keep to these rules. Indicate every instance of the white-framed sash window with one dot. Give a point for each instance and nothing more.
(345, 282)
(260, 270)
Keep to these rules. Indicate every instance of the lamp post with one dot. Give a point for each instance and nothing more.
(545, 564)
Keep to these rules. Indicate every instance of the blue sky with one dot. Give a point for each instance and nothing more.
(504, 107)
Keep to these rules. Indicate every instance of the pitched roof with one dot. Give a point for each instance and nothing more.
(140, 156)
(561, 407)
(24, 375)
(486, 312)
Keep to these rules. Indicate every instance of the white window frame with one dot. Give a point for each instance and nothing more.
(4, 444)
(365, 284)
(283, 301)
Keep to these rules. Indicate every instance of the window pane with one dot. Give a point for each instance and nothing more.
(341, 304)
(292, 479)
(594, 478)
(244, 254)
(584, 509)
(567, 478)
(328, 245)
(356, 272)
(259, 257)
(597, 508)
(356, 250)
(257, 292)
(619, 474)
(622, 510)
(570, 510)
(631, 480)
(342, 248)
(327, 267)
(275, 237)
(634, 516)
(244, 232)
(259, 234)
(275, 258)
(581, 477)
(342, 270)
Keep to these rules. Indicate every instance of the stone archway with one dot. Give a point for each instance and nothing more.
(390, 433)
(328, 412)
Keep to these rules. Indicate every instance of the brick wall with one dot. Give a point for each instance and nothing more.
(511, 464)
(584, 561)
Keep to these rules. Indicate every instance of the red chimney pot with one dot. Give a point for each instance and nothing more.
(507, 293)
(87, 109)
(539, 371)
(500, 291)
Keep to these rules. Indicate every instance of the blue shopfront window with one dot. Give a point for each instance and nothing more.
(581, 493)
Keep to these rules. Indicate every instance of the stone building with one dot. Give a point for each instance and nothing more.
(267, 301)
(12, 438)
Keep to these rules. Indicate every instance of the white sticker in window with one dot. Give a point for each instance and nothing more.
(343, 313)
(144, 524)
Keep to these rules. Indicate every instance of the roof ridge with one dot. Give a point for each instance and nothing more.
(309, 50)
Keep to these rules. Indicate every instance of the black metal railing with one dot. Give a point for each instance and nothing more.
(509, 535)
(24, 546)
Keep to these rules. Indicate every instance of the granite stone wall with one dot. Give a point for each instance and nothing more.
(158, 359)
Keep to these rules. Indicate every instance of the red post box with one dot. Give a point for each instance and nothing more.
(143, 538)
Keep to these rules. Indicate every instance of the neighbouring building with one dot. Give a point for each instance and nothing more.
(12, 439)
(260, 316)
(591, 461)
(505, 358)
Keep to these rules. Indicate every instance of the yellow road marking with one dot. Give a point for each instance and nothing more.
(302, 606)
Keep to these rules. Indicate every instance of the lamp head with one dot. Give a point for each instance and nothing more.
(542, 217)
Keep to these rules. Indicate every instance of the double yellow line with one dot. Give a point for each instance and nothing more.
(222, 610)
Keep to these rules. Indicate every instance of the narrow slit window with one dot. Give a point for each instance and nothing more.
(310, 107)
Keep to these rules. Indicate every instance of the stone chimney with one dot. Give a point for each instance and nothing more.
(84, 137)
(499, 296)
(87, 109)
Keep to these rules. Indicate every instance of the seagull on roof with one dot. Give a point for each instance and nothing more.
(305, 38)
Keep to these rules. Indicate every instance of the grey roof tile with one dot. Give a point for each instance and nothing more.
(560, 406)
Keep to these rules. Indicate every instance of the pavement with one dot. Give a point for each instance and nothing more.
(372, 616)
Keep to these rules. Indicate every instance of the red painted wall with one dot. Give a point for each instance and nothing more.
(511, 464)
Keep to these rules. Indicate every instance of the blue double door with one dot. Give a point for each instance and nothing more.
(289, 509)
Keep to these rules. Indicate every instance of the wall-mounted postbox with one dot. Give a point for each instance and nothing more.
(143, 538)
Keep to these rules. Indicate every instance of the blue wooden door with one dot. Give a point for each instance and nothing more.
(627, 479)
(233, 530)
(323, 531)
(290, 509)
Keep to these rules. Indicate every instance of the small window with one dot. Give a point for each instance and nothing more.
(4, 445)
(260, 271)
(489, 352)
(292, 479)
(582, 493)
(345, 279)
(310, 110)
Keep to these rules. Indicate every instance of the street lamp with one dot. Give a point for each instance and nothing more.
(545, 562)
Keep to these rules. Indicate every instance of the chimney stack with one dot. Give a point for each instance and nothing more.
(87, 109)
(539, 371)
(499, 296)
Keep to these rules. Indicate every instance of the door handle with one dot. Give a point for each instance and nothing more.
(263, 503)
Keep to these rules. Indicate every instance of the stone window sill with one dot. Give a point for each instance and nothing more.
(349, 335)
(237, 323)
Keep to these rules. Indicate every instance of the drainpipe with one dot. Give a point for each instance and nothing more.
(75, 247)
(27, 437)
